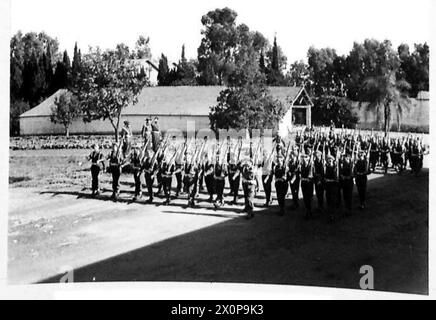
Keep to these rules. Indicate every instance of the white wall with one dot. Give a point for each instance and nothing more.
(43, 125)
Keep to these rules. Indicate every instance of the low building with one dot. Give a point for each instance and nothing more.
(177, 108)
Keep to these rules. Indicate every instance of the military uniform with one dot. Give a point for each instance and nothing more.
(294, 180)
(331, 188)
(135, 160)
(281, 185)
(115, 160)
(234, 180)
(249, 185)
(267, 177)
(167, 172)
(220, 174)
(361, 177)
(384, 152)
(149, 172)
(346, 183)
(209, 179)
(95, 157)
(318, 179)
(307, 186)
(190, 181)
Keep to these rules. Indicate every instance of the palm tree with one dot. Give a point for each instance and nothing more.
(387, 92)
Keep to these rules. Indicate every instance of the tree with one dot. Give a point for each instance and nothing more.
(219, 41)
(386, 92)
(163, 76)
(277, 63)
(329, 108)
(65, 110)
(185, 71)
(414, 67)
(62, 75)
(142, 48)
(75, 66)
(107, 85)
(248, 107)
(298, 74)
(17, 107)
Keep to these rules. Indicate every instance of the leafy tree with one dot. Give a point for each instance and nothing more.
(277, 63)
(17, 107)
(142, 48)
(107, 85)
(163, 76)
(62, 75)
(414, 67)
(185, 71)
(65, 110)
(386, 92)
(215, 61)
(248, 107)
(76, 65)
(298, 74)
(329, 108)
(322, 72)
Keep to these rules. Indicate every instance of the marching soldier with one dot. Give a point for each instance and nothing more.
(96, 158)
(294, 178)
(384, 152)
(208, 169)
(281, 183)
(331, 186)
(167, 172)
(190, 180)
(361, 177)
(115, 166)
(318, 179)
(249, 185)
(346, 182)
(267, 176)
(234, 178)
(150, 168)
(179, 169)
(374, 154)
(220, 174)
(307, 183)
(135, 160)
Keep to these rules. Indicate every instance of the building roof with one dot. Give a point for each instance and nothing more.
(176, 101)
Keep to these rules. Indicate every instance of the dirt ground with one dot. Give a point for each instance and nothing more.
(55, 226)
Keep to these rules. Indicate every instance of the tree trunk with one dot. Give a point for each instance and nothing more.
(387, 118)
(67, 131)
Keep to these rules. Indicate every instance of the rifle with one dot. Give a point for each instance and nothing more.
(368, 156)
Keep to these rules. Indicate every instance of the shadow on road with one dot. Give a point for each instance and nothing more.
(391, 235)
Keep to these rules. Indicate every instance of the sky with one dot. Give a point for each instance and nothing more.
(170, 24)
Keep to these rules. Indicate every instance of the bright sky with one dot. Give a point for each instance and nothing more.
(169, 24)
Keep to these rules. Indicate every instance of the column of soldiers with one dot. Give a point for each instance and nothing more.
(321, 163)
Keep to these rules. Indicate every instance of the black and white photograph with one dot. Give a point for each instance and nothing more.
(270, 143)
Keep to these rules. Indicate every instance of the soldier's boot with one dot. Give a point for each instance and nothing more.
(149, 201)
